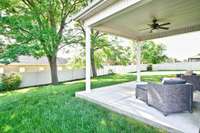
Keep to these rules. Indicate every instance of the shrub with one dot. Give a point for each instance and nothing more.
(149, 68)
(110, 71)
(10, 81)
(1, 86)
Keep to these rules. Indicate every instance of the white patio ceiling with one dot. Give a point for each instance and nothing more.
(127, 18)
(184, 16)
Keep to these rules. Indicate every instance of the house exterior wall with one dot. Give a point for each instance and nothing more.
(194, 60)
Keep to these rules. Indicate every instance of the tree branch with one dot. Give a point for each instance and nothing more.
(66, 14)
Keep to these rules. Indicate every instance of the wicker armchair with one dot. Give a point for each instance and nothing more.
(170, 98)
(192, 79)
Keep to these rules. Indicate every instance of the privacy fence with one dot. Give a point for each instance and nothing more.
(33, 75)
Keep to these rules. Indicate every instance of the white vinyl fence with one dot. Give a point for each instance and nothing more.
(43, 77)
(177, 66)
(120, 69)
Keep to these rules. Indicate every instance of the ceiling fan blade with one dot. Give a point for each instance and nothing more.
(164, 28)
(165, 24)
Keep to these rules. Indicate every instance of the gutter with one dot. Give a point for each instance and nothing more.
(87, 9)
(92, 9)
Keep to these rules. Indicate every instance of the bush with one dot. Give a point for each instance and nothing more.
(149, 68)
(110, 71)
(10, 81)
(1, 86)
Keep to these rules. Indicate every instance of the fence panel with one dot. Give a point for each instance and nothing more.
(177, 66)
(42, 76)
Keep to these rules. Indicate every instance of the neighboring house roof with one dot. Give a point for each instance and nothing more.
(42, 60)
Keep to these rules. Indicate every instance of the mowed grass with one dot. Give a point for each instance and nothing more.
(55, 109)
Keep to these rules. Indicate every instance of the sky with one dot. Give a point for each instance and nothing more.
(181, 46)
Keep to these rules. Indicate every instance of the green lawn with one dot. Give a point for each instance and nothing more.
(54, 109)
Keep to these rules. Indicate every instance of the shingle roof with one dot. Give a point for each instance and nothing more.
(195, 57)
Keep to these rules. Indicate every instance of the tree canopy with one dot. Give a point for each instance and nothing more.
(153, 53)
(104, 49)
(37, 26)
(40, 28)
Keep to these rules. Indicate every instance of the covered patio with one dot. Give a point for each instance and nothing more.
(139, 20)
(121, 98)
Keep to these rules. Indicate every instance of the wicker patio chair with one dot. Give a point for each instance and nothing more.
(170, 98)
(192, 79)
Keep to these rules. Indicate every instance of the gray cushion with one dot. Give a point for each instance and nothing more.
(173, 81)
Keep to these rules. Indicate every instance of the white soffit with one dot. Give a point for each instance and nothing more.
(93, 8)
(184, 16)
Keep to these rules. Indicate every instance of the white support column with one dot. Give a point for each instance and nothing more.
(138, 58)
(88, 58)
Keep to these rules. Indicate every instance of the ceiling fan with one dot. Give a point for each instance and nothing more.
(156, 26)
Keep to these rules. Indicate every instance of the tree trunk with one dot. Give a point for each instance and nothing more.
(94, 72)
(53, 67)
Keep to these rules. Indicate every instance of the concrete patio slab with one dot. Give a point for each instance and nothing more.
(121, 98)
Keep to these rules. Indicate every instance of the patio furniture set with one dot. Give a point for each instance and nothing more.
(173, 95)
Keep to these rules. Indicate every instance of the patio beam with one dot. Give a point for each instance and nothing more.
(88, 58)
(115, 7)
